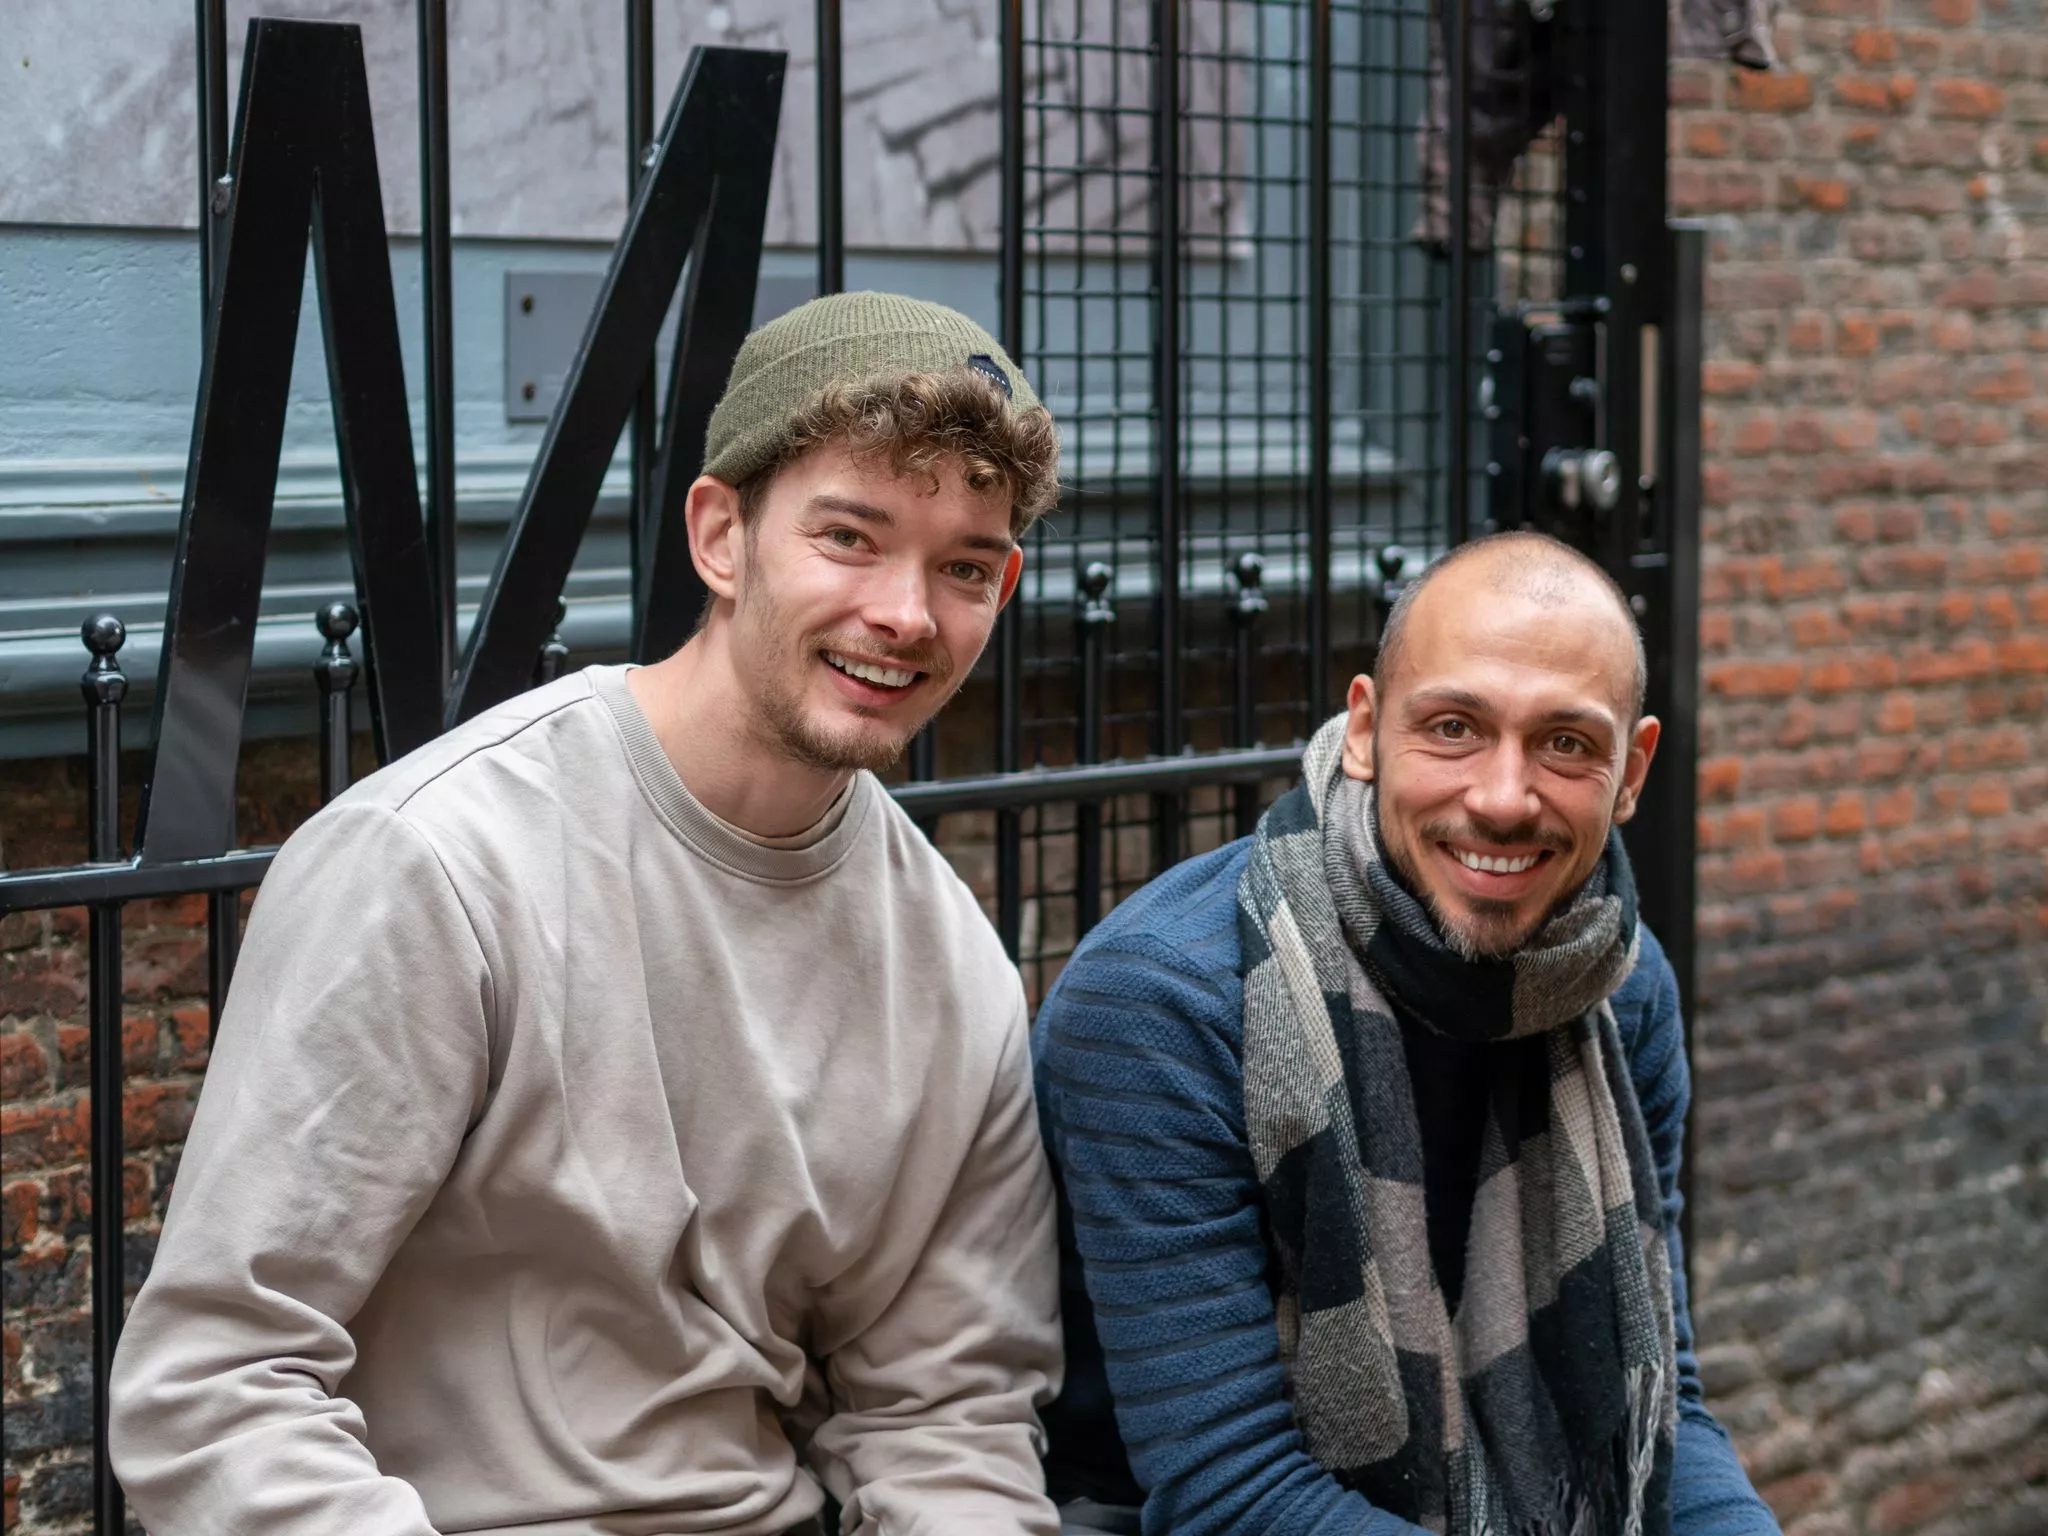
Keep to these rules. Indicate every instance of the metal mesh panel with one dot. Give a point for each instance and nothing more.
(1240, 102)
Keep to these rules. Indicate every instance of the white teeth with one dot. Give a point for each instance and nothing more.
(888, 677)
(1493, 866)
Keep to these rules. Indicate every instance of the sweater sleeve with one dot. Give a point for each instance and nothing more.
(352, 1057)
(1710, 1493)
(934, 1430)
(1140, 1070)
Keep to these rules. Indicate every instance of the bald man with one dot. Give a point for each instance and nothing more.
(1367, 1126)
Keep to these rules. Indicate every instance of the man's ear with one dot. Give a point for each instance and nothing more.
(712, 514)
(1363, 709)
(1642, 747)
(1013, 567)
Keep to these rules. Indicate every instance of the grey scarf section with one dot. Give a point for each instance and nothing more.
(1547, 1406)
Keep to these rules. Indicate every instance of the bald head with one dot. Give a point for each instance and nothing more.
(1535, 568)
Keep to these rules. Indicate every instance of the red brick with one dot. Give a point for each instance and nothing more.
(1977, 290)
(19, 1202)
(2004, 378)
(24, 1069)
(1971, 659)
(1864, 93)
(1855, 335)
(1757, 433)
(1751, 679)
(157, 1114)
(2023, 654)
(1976, 100)
(1796, 821)
(1791, 1497)
(1705, 136)
(42, 981)
(1910, 1505)
(1895, 714)
(1874, 45)
(1719, 778)
(44, 1135)
(1896, 809)
(1845, 815)
(1808, 331)
(1749, 873)
(1824, 194)
(1755, 90)
(191, 1028)
(1723, 376)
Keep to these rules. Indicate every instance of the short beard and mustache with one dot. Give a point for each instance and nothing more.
(787, 727)
(1484, 930)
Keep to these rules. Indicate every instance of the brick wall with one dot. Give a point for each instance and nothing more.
(1872, 1163)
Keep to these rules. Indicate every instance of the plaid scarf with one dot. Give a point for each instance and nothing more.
(1548, 1405)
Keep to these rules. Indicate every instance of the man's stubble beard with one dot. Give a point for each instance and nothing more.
(1489, 930)
(787, 730)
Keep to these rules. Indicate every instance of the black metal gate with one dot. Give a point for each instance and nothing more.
(1316, 289)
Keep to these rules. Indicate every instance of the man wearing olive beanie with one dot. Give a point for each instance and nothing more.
(621, 1121)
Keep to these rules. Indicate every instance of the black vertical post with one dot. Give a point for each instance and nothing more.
(1458, 343)
(1671, 626)
(1166, 370)
(1319, 405)
(1098, 612)
(104, 686)
(210, 44)
(831, 166)
(335, 672)
(1245, 614)
(639, 157)
(437, 291)
(1009, 626)
(223, 945)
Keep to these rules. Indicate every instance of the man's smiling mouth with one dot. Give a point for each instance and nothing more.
(880, 675)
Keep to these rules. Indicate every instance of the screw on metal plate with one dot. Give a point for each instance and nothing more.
(223, 194)
(527, 390)
(650, 154)
(526, 303)
(1628, 272)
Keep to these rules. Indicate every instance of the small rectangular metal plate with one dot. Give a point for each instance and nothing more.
(545, 316)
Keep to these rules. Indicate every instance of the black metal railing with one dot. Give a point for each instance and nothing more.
(1216, 261)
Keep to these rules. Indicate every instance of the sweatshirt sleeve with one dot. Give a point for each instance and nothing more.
(934, 1429)
(1141, 1074)
(352, 1058)
(1710, 1493)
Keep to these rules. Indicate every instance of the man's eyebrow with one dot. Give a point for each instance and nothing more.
(846, 506)
(1472, 703)
(882, 517)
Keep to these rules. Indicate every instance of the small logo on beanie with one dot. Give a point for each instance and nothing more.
(991, 370)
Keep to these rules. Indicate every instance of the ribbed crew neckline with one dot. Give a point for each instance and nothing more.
(694, 823)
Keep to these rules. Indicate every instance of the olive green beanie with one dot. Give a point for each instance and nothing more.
(843, 338)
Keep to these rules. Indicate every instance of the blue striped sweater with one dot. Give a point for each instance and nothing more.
(1172, 1357)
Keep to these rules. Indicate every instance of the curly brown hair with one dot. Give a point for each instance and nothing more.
(918, 421)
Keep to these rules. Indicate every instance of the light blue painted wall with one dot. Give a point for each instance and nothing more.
(99, 369)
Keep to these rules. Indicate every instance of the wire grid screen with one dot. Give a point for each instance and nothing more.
(1092, 203)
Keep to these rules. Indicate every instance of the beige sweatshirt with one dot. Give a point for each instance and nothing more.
(569, 1164)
